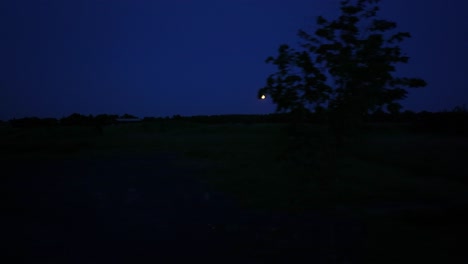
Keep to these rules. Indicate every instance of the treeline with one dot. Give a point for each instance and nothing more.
(447, 122)
(71, 120)
(105, 119)
(454, 123)
(245, 119)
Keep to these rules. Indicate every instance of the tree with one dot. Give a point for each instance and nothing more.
(128, 116)
(347, 66)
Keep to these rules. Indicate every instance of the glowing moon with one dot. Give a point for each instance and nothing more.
(263, 97)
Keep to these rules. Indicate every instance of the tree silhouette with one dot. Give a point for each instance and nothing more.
(346, 66)
(128, 116)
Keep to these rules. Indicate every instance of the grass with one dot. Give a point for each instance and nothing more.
(392, 179)
(264, 167)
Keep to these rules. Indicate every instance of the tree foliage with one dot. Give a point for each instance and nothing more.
(347, 65)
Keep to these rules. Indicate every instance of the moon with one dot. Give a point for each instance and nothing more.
(262, 97)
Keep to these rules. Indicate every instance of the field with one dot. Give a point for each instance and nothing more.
(408, 191)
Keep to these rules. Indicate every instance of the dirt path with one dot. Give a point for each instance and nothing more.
(145, 210)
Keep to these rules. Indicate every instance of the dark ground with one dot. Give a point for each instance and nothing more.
(146, 210)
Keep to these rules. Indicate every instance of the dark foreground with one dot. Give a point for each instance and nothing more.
(145, 210)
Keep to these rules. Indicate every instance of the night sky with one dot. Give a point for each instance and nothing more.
(195, 57)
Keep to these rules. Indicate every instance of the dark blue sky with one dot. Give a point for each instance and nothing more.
(203, 57)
